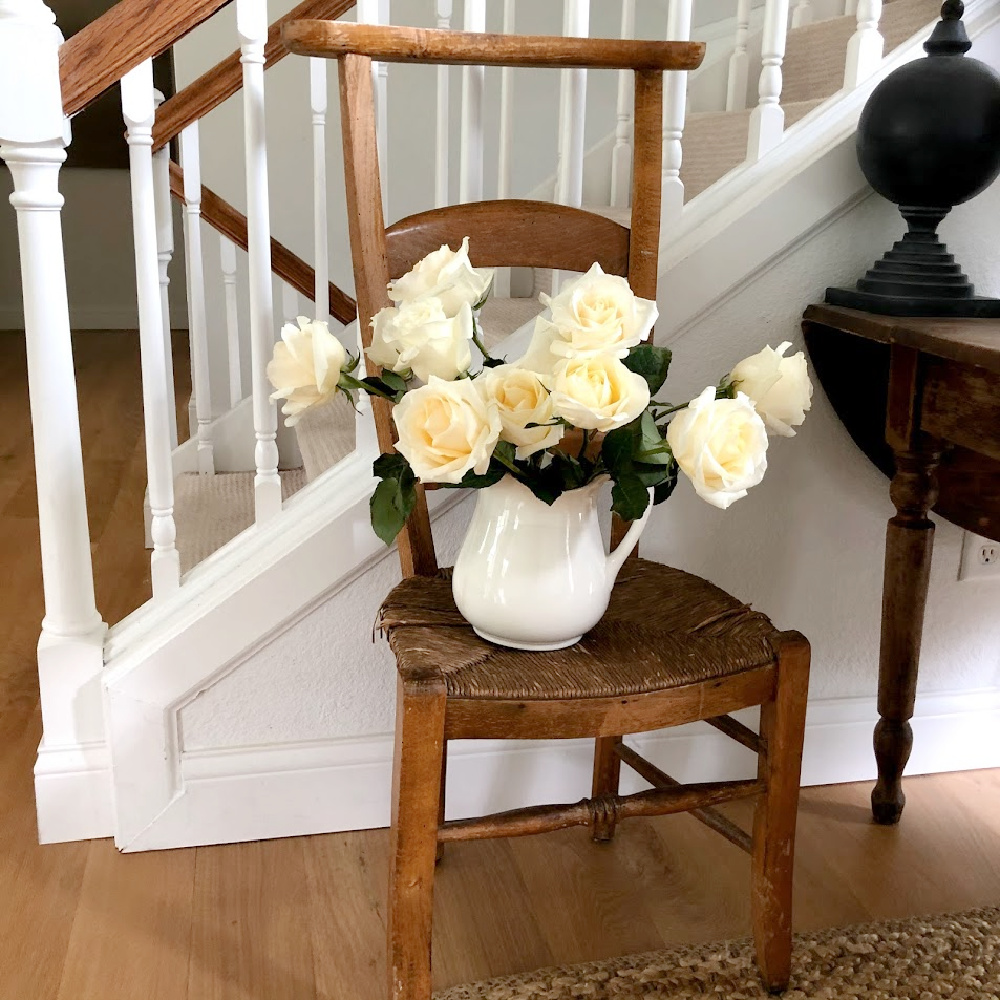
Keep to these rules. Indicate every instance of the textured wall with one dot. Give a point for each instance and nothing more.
(805, 546)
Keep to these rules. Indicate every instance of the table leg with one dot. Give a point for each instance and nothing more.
(909, 541)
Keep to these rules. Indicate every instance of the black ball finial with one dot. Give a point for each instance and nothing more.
(952, 10)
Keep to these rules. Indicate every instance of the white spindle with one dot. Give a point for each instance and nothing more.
(251, 22)
(227, 259)
(197, 316)
(802, 13)
(470, 179)
(850, 7)
(377, 12)
(674, 108)
(321, 239)
(767, 121)
(138, 111)
(164, 254)
(33, 138)
(501, 281)
(290, 310)
(864, 50)
(621, 155)
(739, 62)
(441, 147)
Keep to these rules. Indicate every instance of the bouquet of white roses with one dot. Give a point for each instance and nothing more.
(578, 406)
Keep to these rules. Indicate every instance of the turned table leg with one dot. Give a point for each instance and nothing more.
(909, 541)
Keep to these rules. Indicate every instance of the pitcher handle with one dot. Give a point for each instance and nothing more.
(616, 559)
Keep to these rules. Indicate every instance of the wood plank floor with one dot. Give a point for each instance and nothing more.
(302, 919)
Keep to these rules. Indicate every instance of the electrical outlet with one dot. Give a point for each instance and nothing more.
(980, 558)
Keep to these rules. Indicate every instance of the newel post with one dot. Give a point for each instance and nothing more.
(33, 139)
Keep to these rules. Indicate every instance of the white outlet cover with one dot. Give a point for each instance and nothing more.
(980, 558)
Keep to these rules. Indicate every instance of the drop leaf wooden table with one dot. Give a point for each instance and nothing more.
(921, 398)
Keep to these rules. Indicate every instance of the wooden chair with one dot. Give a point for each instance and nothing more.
(671, 649)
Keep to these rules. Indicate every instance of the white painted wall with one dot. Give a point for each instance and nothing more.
(805, 546)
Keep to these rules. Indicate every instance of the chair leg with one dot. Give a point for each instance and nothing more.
(607, 769)
(417, 770)
(782, 725)
(439, 856)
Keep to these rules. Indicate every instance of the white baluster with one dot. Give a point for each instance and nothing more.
(674, 107)
(767, 121)
(227, 260)
(739, 62)
(164, 254)
(850, 7)
(621, 155)
(321, 239)
(377, 12)
(197, 321)
(251, 22)
(501, 281)
(441, 148)
(138, 111)
(865, 49)
(470, 179)
(290, 310)
(802, 13)
(33, 139)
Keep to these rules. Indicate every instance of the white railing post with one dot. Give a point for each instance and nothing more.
(227, 260)
(739, 61)
(674, 107)
(321, 237)
(767, 121)
(197, 316)
(251, 22)
(33, 139)
(621, 155)
(865, 49)
(501, 280)
(138, 111)
(802, 13)
(470, 176)
(850, 7)
(164, 254)
(442, 149)
(377, 12)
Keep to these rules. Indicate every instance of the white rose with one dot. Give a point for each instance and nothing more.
(780, 387)
(446, 274)
(521, 399)
(305, 367)
(597, 393)
(418, 336)
(721, 445)
(446, 429)
(599, 313)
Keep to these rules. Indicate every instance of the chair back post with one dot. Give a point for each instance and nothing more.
(366, 225)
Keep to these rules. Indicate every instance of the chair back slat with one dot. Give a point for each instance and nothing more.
(513, 233)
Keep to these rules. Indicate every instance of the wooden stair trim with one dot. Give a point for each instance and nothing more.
(224, 79)
(232, 223)
(128, 34)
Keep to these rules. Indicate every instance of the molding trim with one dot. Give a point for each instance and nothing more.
(250, 793)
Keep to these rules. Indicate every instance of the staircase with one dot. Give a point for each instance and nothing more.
(257, 532)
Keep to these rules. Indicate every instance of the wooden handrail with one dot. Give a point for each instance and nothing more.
(392, 44)
(225, 219)
(131, 32)
(225, 78)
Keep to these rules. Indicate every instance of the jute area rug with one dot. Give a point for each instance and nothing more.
(955, 956)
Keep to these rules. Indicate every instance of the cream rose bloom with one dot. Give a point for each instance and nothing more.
(721, 446)
(305, 367)
(521, 398)
(780, 387)
(446, 429)
(598, 313)
(447, 275)
(420, 337)
(597, 393)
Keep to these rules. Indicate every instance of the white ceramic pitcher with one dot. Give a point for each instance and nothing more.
(537, 577)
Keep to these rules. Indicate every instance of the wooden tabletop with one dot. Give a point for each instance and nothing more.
(969, 341)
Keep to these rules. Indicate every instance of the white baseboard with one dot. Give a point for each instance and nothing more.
(254, 793)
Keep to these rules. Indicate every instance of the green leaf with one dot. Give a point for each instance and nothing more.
(651, 362)
(391, 466)
(726, 389)
(493, 362)
(663, 490)
(390, 506)
(394, 380)
(652, 449)
(618, 448)
(629, 498)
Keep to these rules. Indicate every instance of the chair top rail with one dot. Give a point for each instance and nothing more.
(218, 84)
(427, 45)
(128, 34)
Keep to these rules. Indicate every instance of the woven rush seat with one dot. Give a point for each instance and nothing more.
(663, 628)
